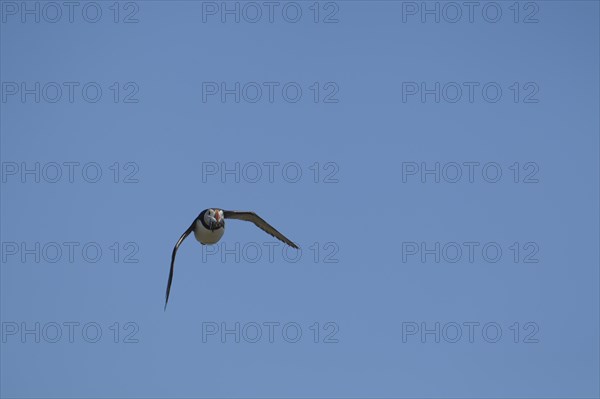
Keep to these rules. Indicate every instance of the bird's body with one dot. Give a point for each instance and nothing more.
(209, 227)
(203, 231)
(206, 236)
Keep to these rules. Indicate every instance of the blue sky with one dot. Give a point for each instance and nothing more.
(441, 178)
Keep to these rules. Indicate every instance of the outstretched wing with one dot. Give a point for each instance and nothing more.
(183, 237)
(260, 222)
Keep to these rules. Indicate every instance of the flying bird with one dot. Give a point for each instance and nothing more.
(209, 227)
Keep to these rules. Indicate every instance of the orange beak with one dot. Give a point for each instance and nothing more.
(217, 216)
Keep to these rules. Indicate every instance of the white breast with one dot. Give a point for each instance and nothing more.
(206, 236)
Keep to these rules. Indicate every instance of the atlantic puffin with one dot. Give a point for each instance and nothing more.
(209, 227)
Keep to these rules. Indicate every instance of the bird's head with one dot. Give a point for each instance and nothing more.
(214, 218)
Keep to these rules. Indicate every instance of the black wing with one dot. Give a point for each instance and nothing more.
(183, 237)
(259, 222)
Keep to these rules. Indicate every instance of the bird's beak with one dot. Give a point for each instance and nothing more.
(215, 221)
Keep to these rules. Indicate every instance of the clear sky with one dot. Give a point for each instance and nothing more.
(437, 162)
